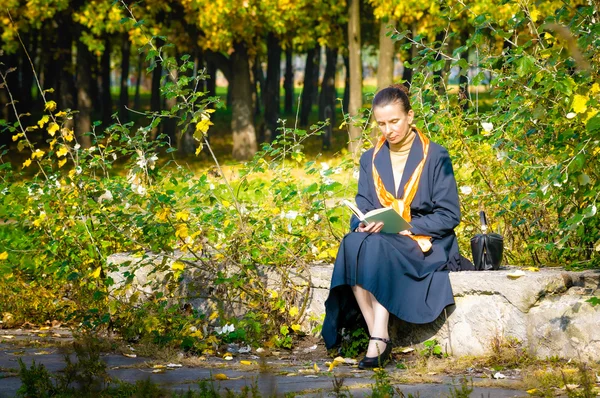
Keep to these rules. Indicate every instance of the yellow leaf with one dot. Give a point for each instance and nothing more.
(182, 216)
(178, 266)
(595, 88)
(43, 121)
(61, 163)
(26, 163)
(67, 134)
(203, 125)
(316, 367)
(37, 154)
(62, 151)
(580, 103)
(4, 256)
(52, 129)
(50, 106)
(16, 137)
(213, 316)
(181, 231)
(532, 391)
(246, 362)
(273, 293)
(296, 328)
(293, 311)
(535, 14)
(52, 143)
(96, 273)
(221, 376)
(532, 269)
(61, 114)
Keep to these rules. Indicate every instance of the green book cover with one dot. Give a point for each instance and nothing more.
(392, 221)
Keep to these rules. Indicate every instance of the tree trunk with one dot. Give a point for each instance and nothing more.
(272, 95)
(407, 73)
(155, 98)
(30, 41)
(105, 71)
(258, 77)
(138, 82)
(310, 69)
(346, 99)
(83, 120)
(242, 126)
(211, 82)
(463, 78)
(66, 86)
(288, 81)
(354, 51)
(385, 69)
(438, 75)
(328, 95)
(124, 90)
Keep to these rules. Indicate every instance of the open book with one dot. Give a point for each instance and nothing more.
(392, 221)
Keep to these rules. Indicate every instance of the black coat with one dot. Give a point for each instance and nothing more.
(412, 285)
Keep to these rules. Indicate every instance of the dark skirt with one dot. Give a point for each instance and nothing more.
(412, 285)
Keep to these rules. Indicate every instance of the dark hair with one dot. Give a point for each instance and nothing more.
(394, 93)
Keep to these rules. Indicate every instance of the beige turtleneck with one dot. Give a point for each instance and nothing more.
(399, 155)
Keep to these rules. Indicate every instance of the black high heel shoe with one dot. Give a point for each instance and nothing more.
(381, 359)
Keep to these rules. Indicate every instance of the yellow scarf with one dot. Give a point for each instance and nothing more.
(402, 206)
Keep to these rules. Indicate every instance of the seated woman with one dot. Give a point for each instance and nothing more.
(405, 274)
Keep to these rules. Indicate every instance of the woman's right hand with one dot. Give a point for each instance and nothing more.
(371, 228)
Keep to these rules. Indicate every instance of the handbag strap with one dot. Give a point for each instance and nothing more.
(483, 221)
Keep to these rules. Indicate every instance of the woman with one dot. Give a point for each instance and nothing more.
(405, 274)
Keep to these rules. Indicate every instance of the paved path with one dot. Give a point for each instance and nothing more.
(273, 376)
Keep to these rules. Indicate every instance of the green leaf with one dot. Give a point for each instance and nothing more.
(593, 125)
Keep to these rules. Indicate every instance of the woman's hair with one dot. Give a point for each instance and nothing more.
(392, 94)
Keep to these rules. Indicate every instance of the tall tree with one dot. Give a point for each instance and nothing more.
(241, 105)
(272, 92)
(124, 85)
(354, 51)
(328, 95)
(385, 66)
(83, 120)
(288, 82)
(311, 74)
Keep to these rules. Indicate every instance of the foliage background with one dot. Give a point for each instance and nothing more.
(526, 152)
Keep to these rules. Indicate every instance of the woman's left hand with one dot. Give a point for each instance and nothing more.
(406, 232)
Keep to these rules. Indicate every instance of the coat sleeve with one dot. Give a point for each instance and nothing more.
(364, 197)
(445, 213)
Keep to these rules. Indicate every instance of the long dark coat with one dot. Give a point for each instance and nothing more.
(412, 285)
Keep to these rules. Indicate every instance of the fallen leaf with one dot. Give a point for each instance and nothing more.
(516, 274)
(158, 366)
(227, 357)
(221, 376)
(570, 386)
(129, 355)
(533, 269)
(407, 350)
(316, 367)
(312, 376)
(246, 362)
(532, 391)
(8, 336)
(174, 365)
(42, 352)
(56, 335)
(158, 371)
(339, 360)
(291, 374)
(259, 350)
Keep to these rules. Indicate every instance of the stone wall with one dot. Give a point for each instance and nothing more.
(546, 311)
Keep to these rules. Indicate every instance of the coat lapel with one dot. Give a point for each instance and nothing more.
(383, 164)
(414, 158)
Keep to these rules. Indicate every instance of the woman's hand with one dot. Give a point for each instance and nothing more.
(405, 232)
(371, 228)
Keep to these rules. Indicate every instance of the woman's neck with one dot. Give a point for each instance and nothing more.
(405, 144)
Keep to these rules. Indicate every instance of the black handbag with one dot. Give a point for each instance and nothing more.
(487, 248)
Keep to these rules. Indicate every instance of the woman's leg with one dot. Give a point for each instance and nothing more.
(363, 298)
(380, 328)
(376, 316)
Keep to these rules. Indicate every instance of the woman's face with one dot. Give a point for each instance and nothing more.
(393, 122)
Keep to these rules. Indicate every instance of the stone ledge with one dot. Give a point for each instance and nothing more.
(546, 310)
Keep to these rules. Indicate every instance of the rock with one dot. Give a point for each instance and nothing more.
(545, 311)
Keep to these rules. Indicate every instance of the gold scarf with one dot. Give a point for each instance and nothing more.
(402, 206)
